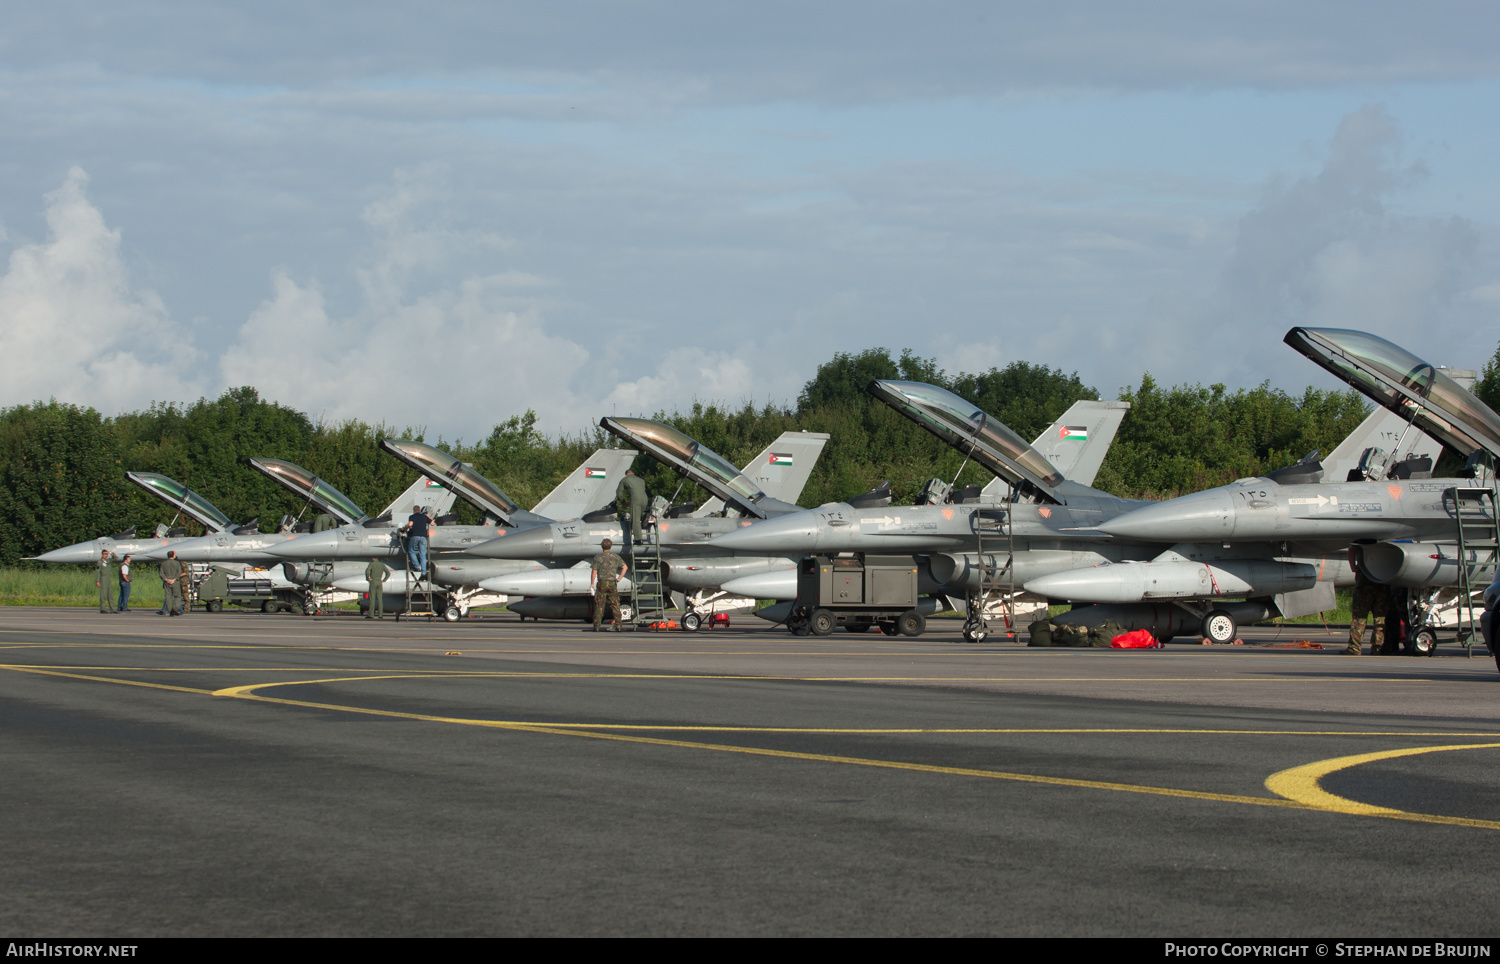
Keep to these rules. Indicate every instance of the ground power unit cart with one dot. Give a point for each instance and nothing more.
(857, 592)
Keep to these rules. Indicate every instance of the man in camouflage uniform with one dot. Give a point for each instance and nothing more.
(101, 579)
(1369, 599)
(375, 574)
(631, 494)
(607, 569)
(171, 585)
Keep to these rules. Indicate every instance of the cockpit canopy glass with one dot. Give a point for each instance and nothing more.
(959, 422)
(184, 498)
(692, 454)
(462, 479)
(310, 487)
(1377, 368)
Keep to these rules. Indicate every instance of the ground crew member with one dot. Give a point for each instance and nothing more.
(322, 522)
(416, 541)
(171, 592)
(375, 574)
(101, 579)
(606, 571)
(124, 585)
(631, 494)
(1369, 599)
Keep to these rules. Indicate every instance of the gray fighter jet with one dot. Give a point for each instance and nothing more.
(174, 493)
(767, 486)
(1049, 528)
(454, 568)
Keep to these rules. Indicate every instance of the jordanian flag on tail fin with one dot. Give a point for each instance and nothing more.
(433, 485)
(589, 473)
(1074, 433)
(777, 458)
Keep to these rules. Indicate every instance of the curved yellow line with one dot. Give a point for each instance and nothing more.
(1303, 785)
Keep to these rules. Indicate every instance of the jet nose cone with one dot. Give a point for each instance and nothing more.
(1201, 516)
(539, 543)
(319, 545)
(81, 553)
(796, 533)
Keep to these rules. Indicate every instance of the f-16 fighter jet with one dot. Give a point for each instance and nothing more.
(180, 497)
(453, 568)
(768, 486)
(248, 544)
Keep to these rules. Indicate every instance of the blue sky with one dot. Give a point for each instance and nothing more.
(443, 215)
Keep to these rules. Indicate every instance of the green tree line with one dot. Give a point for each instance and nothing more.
(62, 467)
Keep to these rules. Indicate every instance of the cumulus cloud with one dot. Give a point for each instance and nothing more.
(710, 376)
(71, 324)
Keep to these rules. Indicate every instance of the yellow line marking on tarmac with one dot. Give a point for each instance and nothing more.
(1297, 788)
(1304, 785)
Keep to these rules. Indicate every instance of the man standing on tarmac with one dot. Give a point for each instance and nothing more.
(606, 571)
(124, 605)
(631, 492)
(375, 574)
(1369, 599)
(101, 579)
(171, 585)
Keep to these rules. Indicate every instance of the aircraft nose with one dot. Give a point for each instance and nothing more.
(78, 554)
(538, 543)
(796, 533)
(1200, 516)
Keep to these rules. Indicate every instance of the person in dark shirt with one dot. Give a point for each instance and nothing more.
(416, 539)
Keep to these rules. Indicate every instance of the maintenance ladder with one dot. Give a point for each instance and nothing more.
(1478, 550)
(992, 607)
(419, 592)
(650, 600)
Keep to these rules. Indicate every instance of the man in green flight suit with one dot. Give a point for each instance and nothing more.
(101, 579)
(606, 571)
(1369, 599)
(631, 493)
(171, 585)
(375, 574)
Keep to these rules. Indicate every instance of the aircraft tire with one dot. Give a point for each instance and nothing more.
(452, 615)
(974, 634)
(1421, 643)
(911, 623)
(822, 622)
(692, 622)
(1220, 627)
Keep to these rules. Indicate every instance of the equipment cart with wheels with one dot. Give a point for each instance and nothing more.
(858, 592)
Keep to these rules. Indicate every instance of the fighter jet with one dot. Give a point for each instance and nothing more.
(178, 496)
(248, 544)
(768, 486)
(1058, 539)
(465, 578)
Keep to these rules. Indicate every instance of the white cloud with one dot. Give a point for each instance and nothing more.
(72, 326)
(711, 377)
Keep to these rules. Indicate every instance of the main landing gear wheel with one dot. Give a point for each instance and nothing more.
(1220, 627)
(911, 623)
(821, 622)
(692, 622)
(452, 615)
(1421, 642)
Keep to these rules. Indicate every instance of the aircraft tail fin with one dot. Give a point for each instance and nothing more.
(781, 469)
(591, 486)
(423, 491)
(1077, 442)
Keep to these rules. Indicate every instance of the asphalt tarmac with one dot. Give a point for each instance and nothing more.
(251, 775)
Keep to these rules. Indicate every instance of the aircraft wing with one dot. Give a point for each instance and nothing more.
(590, 487)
